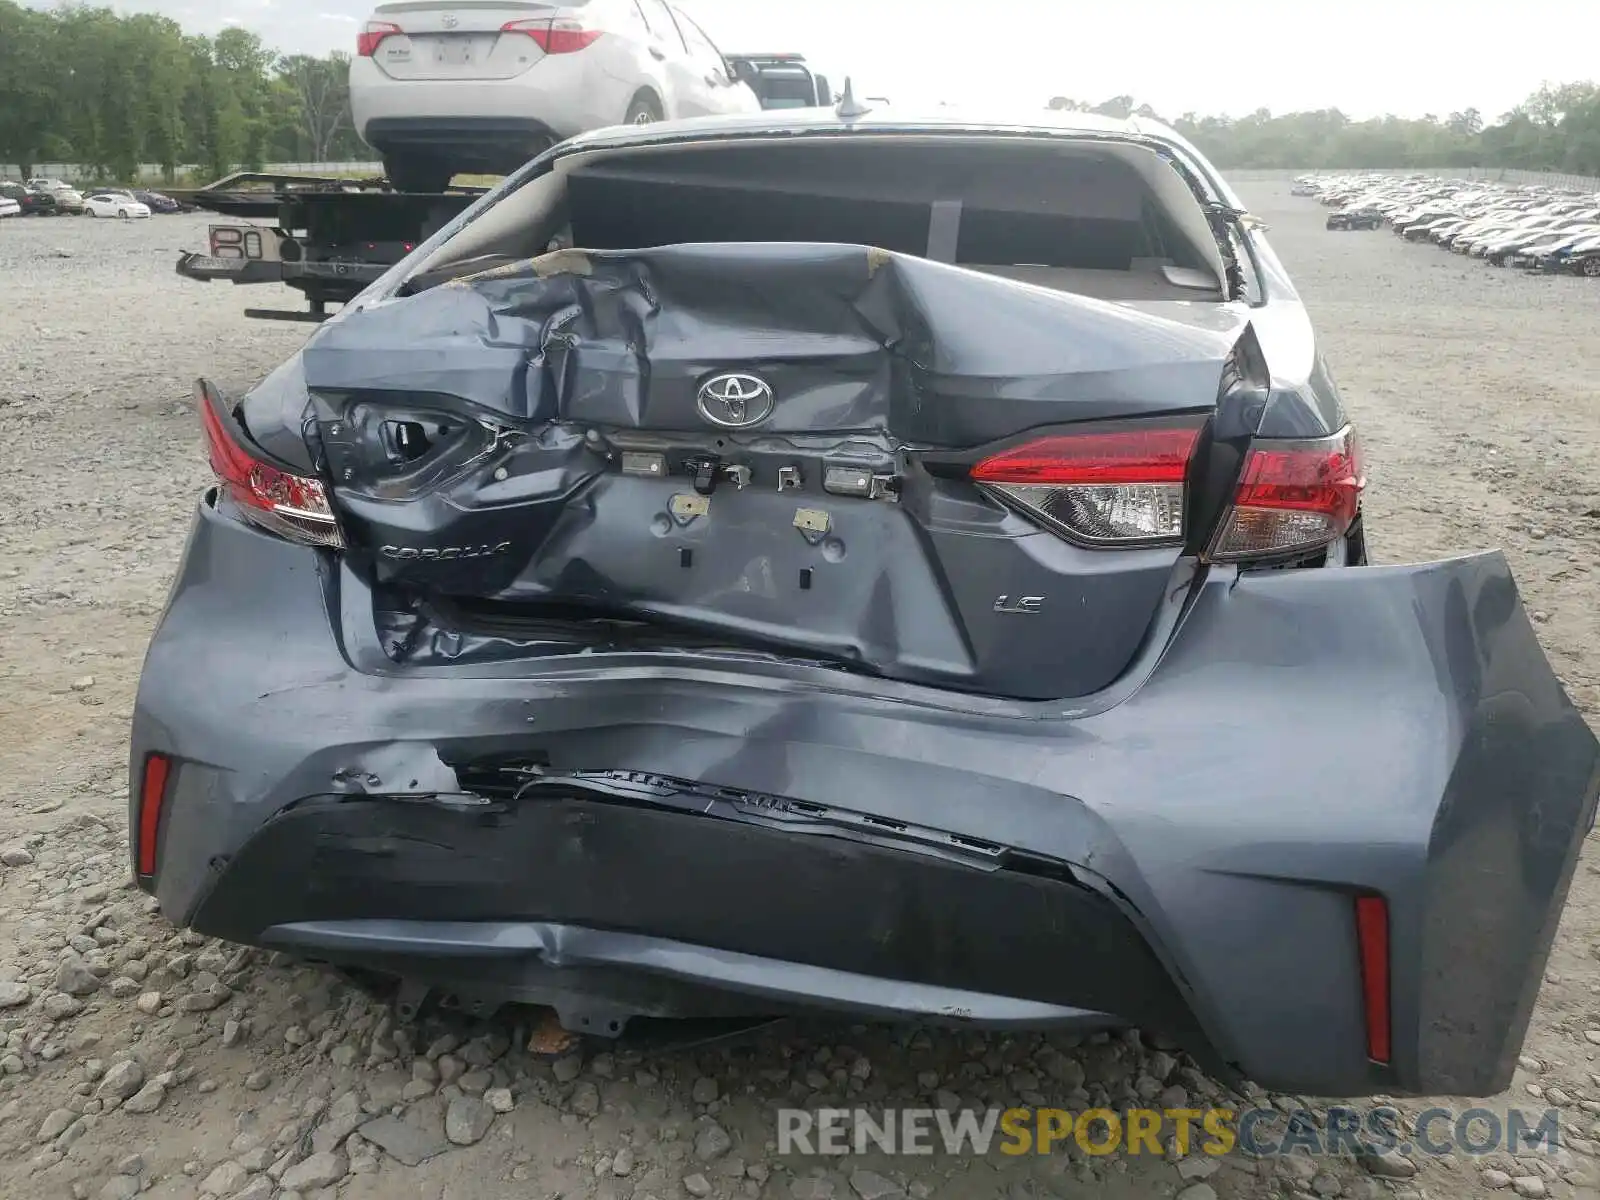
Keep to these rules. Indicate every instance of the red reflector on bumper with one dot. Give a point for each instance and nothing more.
(152, 794)
(1372, 938)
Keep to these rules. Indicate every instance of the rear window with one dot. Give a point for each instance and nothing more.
(785, 87)
(1049, 240)
(612, 213)
(1014, 204)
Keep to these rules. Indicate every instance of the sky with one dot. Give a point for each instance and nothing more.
(1366, 57)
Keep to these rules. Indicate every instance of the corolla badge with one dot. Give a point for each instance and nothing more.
(735, 400)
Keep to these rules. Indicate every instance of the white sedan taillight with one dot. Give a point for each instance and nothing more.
(555, 35)
(372, 36)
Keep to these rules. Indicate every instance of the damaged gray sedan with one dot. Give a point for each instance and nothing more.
(906, 568)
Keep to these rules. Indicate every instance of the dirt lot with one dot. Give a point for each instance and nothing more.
(137, 1059)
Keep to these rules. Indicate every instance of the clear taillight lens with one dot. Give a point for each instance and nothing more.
(1121, 488)
(1293, 496)
(292, 506)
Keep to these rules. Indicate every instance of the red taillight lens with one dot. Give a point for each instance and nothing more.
(1115, 488)
(152, 795)
(292, 506)
(1292, 496)
(1372, 940)
(555, 36)
(368, 40)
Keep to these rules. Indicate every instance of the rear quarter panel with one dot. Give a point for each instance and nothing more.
(621, 69)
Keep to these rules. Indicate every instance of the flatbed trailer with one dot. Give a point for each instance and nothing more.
(329, 237)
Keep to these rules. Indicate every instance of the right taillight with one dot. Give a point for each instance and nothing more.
(1292, 496)
(292, 506)
(554, 35)
(372, 35)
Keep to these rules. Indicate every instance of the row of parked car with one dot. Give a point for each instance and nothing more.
(44, 197)
(1541, 229)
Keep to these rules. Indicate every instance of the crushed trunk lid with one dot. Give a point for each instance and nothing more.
(763, 443)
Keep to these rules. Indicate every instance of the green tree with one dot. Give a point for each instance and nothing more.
(214, 118)
(27, 85)
(246, 66)
(83, 83)
(161, 68)
(320, 91)
(1117, 106)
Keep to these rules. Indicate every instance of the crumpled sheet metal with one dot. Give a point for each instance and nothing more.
(850, 337)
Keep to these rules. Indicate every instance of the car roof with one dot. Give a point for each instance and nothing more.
(893, 119)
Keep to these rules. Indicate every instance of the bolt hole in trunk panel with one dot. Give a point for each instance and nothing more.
(591, 466)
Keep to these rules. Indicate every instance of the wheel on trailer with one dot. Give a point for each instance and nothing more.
(417, 173)
(645, 110)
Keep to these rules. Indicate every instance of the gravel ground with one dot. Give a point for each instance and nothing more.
(138, 1061)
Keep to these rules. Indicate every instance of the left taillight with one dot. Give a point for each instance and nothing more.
(372, 35)
(1292, 497)
(292, 506)
(1121, 487)
(153, 782)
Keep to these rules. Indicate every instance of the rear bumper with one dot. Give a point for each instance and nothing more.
(479, 139)
(488, 118)
(557, 883)
(1184, 858)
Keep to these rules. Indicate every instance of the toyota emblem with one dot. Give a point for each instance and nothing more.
(735, 400)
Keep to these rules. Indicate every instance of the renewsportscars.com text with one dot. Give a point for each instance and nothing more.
(1259, 1132)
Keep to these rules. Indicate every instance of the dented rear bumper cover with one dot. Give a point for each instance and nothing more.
(1181, 854)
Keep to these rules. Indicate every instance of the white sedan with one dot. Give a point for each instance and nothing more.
(439, 87)
(112, 204)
